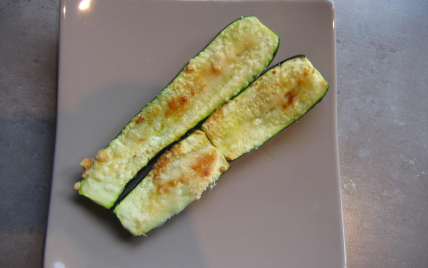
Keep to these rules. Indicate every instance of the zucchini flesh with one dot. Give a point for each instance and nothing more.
(178, 178)
(227, 65)
(274, 101)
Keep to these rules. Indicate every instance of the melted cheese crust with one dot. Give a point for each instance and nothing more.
(226, 66)
(274, 101)
(178, 178)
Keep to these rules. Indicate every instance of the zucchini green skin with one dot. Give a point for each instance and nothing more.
(237, 55)
(278, 98)
(179, 177)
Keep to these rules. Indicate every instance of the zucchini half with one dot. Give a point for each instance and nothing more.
(234, 58)
(274, 101)
(178, 178)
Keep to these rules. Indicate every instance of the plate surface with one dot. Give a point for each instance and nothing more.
(278, 206)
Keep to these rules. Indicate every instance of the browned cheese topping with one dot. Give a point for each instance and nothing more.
(102, 156)
(86, 163)
(77, 186)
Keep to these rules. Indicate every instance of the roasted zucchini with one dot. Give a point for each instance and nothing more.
(178, 178)
(234, 58)
(274, 101)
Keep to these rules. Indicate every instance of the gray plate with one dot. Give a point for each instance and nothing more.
(279, 206)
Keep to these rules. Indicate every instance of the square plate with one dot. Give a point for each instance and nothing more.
(278, 206)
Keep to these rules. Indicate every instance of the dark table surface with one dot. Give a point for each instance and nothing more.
(382, 78)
